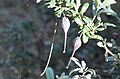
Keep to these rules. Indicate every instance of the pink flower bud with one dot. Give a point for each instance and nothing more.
(65, 26)
(77, 43)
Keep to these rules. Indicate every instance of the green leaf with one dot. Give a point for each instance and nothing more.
(85, 29)
(110, 58)
(78, 2)
(64, 77)
(74, 70)
(68, 3)
(73, 12)
(52, 4)
(109, 24)
(97, 37)
(87, 19)
(108, 11)
(76, 61)
(84, 8)
(98, 24)
(78, 21)
(85, 38)
(118, 55)
(97, 2)
(107, 3)
(100, 29)
(94, 9)
(49, 73)
(88, 33)
(63, 74)
(57, 8)
(59, 12)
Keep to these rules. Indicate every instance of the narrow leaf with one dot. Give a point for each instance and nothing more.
(83, 64)
(79, 21)
(76, 61)
(78, 2)
(100, 29)
(74, 70)
(84, 8)
(94, 8)
(97, 2)
(76, 77)
(87, 19)
(97, 37)
(108, 2)
(64, 77)
(52, 4)
(63, 74)
(85, 38)
(38, 1)
(109, 24)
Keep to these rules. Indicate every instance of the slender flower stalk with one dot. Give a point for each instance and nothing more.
(77, 45)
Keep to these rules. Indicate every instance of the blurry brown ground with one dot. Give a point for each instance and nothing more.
(13, 12)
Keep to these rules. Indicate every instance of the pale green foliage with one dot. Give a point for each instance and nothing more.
(49, 73)
(84, 8)
(83, 72)
(88, 26)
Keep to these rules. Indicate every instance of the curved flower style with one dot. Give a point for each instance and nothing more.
(83, 70)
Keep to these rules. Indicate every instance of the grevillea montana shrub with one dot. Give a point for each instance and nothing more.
(73, 11)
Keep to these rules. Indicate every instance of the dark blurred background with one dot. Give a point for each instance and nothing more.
(26, 34)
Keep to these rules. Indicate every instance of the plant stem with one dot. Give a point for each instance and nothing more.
(108, 51)
(64, 50)
(70, 59)
(72, 55)
(50, 54)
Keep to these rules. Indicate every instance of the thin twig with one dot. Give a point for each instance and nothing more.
(28, 3)
(51, 51)
(108, 51)
(70, 60)
(72, 56)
